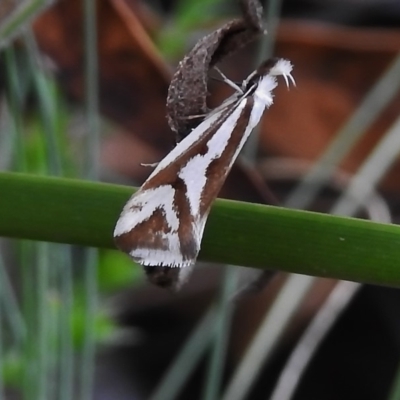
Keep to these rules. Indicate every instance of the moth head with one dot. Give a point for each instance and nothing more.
(269, 68)
(282, 67)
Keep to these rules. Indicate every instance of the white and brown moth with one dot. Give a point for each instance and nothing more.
(162, 224)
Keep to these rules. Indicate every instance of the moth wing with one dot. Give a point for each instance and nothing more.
(148, 229)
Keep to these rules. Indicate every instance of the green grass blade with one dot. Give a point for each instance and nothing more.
(18, 20)
(188, 357)
(2, 352)
(371, 172)
(6, 137)
(267, 335)
(265, 51)
(91, 170)
(311, 339)
(215, 372)
(395, 390)
(15, 100)
(10, 307)
(43, 318)
(374, 102)
(81, 212)
(273, 11)
(65, 283)
(89, 344)
(47, 107)
(92, 151)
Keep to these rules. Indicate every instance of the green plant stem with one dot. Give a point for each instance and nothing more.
(2, 353)
(371, 172)
(48, 107)
(15, 106)
(17, 21)
(266, 337)
(92, 151)
(65, 324)
(89, 348)
(188, 357)
(10, 307)
(221, 337)
(91, 170)
(273, 15)
(373, 104)
(395, 391)
(84, 213)
(29, 304)
(43, 317)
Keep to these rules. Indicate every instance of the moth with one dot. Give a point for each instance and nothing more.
(162, 224)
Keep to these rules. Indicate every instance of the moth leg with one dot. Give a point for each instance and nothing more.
(151, 165)
(229, 82)
(195, 116)
(256, 285)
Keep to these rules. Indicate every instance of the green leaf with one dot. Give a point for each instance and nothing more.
(19, 18)
(82, 212)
